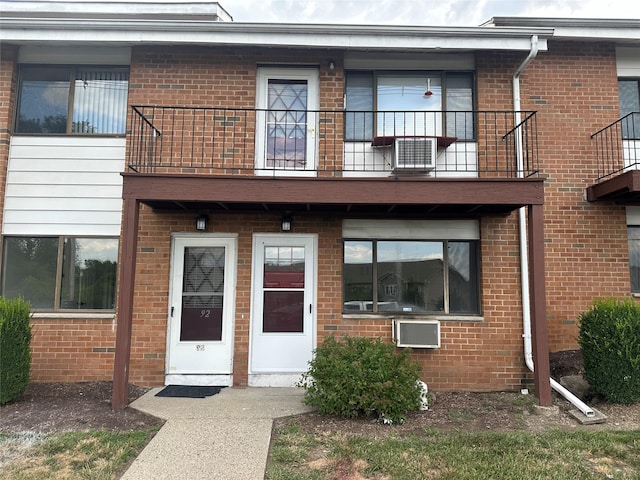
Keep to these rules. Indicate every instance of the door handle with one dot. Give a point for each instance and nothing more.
(172, 311)
(309, 308)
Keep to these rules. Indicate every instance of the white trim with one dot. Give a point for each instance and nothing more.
(74, 316)
(199, 380)
(273, 379)
(412, 229)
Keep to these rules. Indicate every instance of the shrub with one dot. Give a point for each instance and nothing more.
(15, 353)
(362, 377)
(610, 342)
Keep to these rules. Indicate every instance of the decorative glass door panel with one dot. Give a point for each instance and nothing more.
(201, 310)
(287, 124)
(202, 293)
(287, 102)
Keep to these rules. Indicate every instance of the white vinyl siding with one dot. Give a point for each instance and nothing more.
(64, 186)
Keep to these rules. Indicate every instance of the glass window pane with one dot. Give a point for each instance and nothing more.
(44, 100)
(634, 257)
(283, 311)
(359, 106)
(459, 106)
(30, 270)
(358, 276)
(283, 267)
(629, 94)
(410, 276)
(100, 100)
(89, 267)
(405, 108)
(463, 277)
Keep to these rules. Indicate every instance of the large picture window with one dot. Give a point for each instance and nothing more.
(409, 104)
(72, 100)
(61, 273)
(411, 276)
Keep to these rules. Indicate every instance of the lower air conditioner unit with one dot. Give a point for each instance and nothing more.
(417, 333)
(415, 154)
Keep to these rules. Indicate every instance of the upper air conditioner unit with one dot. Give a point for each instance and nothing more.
(417, 333)
(416, 154)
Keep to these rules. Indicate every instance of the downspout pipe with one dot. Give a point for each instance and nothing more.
(522, 226)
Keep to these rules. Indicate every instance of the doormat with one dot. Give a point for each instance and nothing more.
(188, 391)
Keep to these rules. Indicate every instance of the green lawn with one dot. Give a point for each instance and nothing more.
(557, 455)
(94, 455)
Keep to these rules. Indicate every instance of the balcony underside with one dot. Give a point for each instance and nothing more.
(399, 197)
(623, 189)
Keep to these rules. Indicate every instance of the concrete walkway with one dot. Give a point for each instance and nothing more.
(225, 436)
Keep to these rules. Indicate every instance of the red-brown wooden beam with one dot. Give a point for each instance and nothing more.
(541, 374)
(131, 214)
(330, 190)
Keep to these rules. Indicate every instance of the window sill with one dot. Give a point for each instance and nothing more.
(75, 315)
(392, 316)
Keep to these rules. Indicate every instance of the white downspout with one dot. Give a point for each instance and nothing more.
(524, 261)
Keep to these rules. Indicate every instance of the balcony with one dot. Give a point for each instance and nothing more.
(447, 163)
(618, 161)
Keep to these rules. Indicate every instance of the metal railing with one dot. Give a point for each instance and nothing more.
(618, 146)
(185, 140)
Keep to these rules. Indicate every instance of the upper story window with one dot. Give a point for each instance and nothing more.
(72, 100)
(629, 94)
(409, 104)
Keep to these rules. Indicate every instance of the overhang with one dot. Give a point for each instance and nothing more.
(36, 23)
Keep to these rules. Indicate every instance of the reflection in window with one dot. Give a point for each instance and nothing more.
(629, 94)
(633, 233)
(98, 100)
(85, 277)
(409, 104)
(411, 276)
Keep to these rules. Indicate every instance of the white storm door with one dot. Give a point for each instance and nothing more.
(201, 311)
(283, 305)
(287, 121)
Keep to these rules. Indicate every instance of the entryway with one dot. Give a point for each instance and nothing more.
(201, 310)
(283, 309)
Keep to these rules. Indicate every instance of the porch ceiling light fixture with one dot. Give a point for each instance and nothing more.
(428, 92)
(202, 222)
(332, 65)
(287, 223)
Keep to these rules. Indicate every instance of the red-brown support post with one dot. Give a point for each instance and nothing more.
(120, 393)
(540, 342)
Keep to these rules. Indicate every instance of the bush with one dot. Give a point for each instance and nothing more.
(610, 342)
(362, 377)
(15, 352)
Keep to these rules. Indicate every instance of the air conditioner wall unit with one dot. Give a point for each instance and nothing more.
(417, 333)
(418, 154)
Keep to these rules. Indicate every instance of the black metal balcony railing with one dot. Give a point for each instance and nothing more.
(182, 140)
(618, 146)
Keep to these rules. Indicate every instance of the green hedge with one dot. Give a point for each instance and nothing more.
(15, 352)
(362, 377)
(610, 342)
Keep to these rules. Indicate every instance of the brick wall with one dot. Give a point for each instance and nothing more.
(573, 87)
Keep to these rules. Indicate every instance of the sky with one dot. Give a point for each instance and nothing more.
(421, 12)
